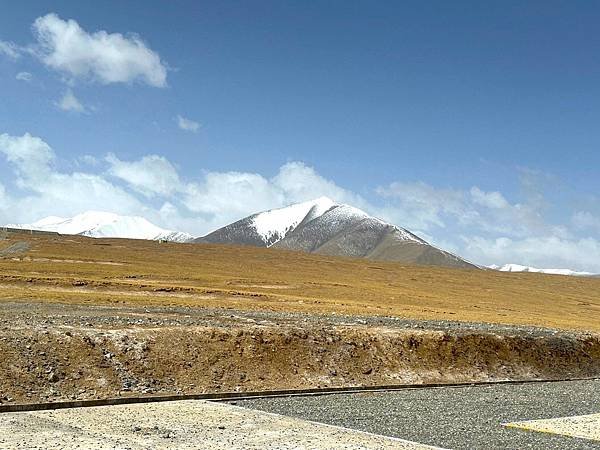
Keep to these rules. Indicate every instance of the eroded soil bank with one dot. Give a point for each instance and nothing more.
(62, 352)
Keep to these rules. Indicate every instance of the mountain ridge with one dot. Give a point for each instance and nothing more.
(316, 226)
(101, 224)
(518, 268)
(336, 229)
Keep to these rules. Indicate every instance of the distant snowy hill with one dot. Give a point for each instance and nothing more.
(100, 224)
(519, 268)
(326, 227)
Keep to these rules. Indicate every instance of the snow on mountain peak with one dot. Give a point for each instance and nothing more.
(521, 268)
(274, 224)
(105, 224)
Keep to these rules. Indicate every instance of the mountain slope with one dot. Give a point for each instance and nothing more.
(266, 228)
(100, 224)
(520, 268)
(325, 227)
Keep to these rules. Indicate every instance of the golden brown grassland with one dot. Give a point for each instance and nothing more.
(74, 269)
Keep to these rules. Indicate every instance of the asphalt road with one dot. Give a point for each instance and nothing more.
(456, 418)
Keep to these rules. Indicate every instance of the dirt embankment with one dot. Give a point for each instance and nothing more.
(60, 362)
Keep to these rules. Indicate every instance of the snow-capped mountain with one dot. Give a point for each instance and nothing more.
(100, 224)
(324, 226)
(520, 268)
(275, 224)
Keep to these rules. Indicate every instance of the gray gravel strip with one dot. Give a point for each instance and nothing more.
(14, 249)
(458, 418)
(27, 314)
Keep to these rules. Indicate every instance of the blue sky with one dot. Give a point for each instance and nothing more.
(470, 123)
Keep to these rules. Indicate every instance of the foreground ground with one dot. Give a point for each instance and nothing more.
(94, 319)
(461, 418)
(481, 417)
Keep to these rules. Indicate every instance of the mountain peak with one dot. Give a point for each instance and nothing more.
(323, 200)
(274, 224)
(105, 224)
(325, 226)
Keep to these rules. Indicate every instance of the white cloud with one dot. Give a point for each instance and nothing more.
(31, 157)
(46, 191)
(187, 124)
(88, 160)
(424, 207)
(24, 76)
(421, 206)
(151, 175)
(494, 200)
(69, 102)
(486, 228)
(222, 197)
(225, 196)
(104, 57)
(81, 192)
(300, 182)
(3, 198)
(197, 206)
(585, 220)
(9, 49)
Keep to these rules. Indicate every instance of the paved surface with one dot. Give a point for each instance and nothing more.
(458, 418)
(181, 425)
(586, 427)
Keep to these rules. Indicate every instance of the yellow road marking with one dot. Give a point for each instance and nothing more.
(584, 427)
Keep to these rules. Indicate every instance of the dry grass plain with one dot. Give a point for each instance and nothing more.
(79, 270)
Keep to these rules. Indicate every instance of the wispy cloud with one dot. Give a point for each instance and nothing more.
(187, 124)
(88, 160)
(24, 76)
(9, 49)
(585, 220)
(69, 102)
(425, 207)
(151, 175)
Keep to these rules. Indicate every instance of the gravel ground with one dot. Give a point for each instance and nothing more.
(48, 314)
(458, 418)
(15, 249)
